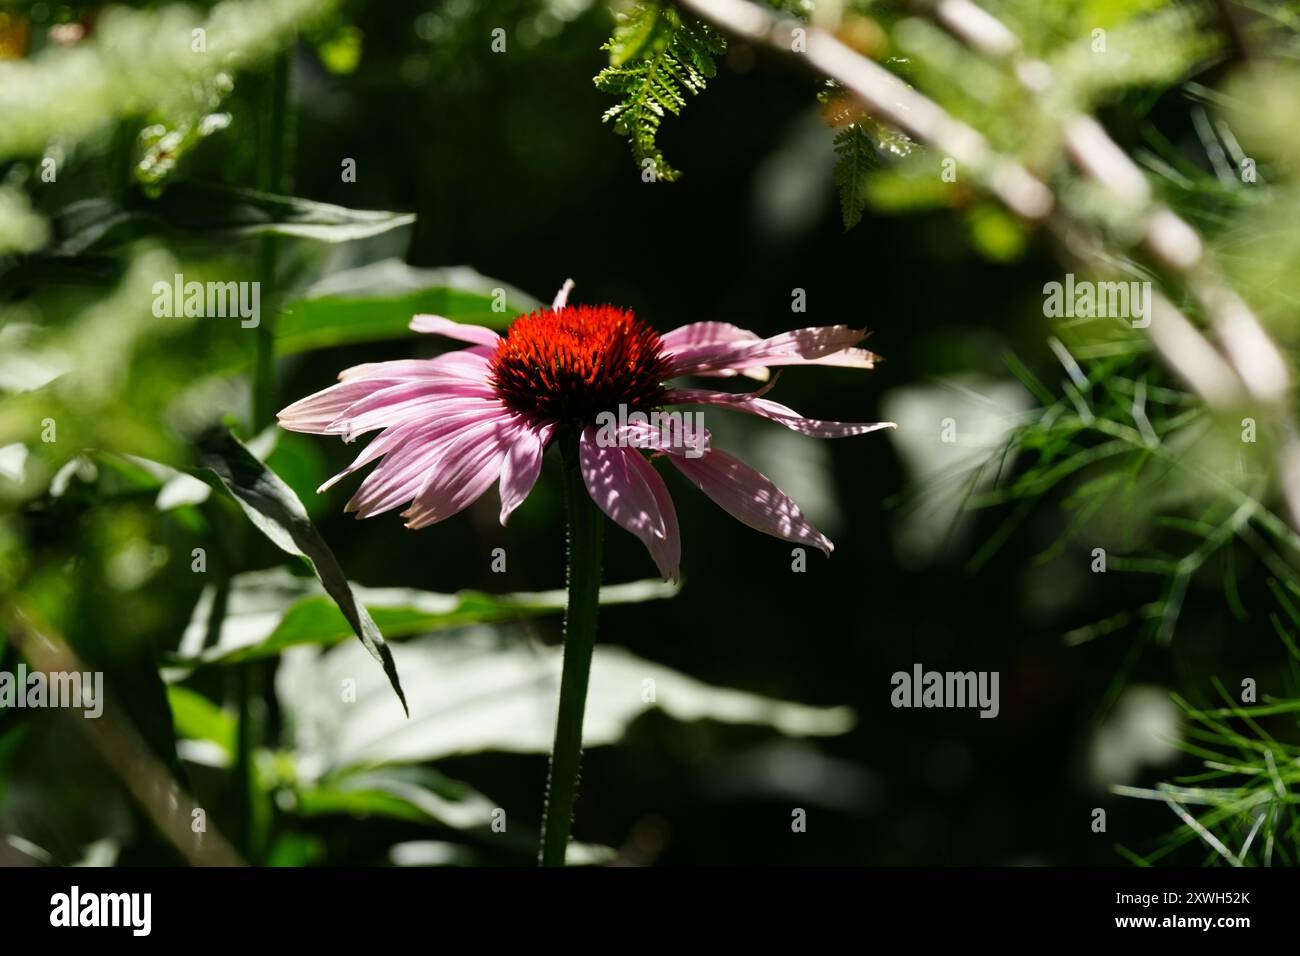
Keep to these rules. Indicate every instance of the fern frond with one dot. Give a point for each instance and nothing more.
(855, 161)
(858, 150)
(655, 58)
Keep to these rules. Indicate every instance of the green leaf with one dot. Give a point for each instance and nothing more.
(243, 213)
(422, 795)
(855, 162)
(214, 212)
(634, 32)
(860, 149)
(269, 611)
(474, 692)
(375, 302)
(197, 718)
(275, 510)
(413, 794)
(296, 849)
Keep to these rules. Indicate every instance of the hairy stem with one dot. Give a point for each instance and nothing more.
(585, 533)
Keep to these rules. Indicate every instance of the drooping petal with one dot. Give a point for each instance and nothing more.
(395, 481)
(627, 488)
(388, 441)
(522, 465)
(416, 435)
(404, 473)
(468, 468)
(463, 332)
(827, 345)
(754, 405)
(750, 497)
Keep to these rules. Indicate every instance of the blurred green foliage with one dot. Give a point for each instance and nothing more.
(505, 183)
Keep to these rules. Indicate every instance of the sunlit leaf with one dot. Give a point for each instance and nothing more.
(197, 718)
(275, 510)
(376, 302)
(217, 213)
(269, 611)
(471, 693)
(413, 794)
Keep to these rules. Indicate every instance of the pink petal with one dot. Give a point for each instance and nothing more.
(668, 439)
(712, 333)
(408, 401)
(627, 488)
(828, 345)
(395, 481)
(403, 474)
(522, 465)
(410, 437)
(468, 468)
(390, 440)
(465, 363)
(750, 497)
(314, 413)
(562, 297)
(463, 332)
(706, 333)
(844, 358)
(777, 412)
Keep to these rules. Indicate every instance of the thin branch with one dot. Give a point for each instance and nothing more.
(886, 97)
(171, 809)
(1250, 363)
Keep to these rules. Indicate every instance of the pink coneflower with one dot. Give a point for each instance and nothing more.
(451, 426)
(591, 378)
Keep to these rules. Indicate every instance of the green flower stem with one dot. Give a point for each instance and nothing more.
(275, 144)
(586, 528)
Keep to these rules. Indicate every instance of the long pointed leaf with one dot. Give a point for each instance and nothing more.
(275, 510)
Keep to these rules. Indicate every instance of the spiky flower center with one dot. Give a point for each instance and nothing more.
(571, 364)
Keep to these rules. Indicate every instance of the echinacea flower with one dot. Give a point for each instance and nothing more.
(451, 426)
